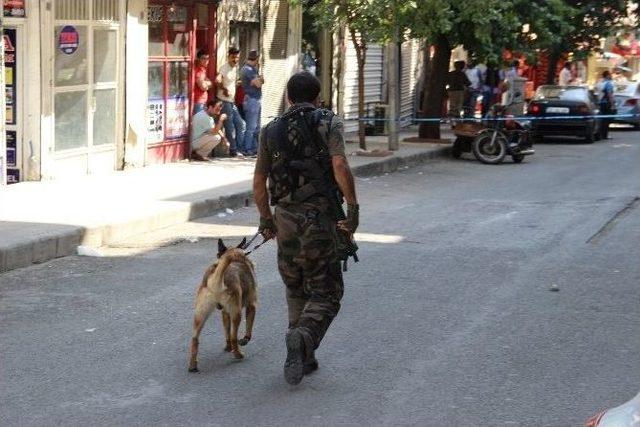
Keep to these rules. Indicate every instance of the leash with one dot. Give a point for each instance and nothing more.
(256, 246)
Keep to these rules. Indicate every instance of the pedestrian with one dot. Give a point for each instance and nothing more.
(607, 103)
(252, 83)
(475, 89)
(302, 153)
(565, 77)
(227, 80)
(202, 82)
(490, 88)
(458, 84)
(206, 133)
(508, 84)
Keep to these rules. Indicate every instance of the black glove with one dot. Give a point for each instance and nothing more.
(353, 218)
(267, 228)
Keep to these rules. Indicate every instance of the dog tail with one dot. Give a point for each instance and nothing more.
(218, 274)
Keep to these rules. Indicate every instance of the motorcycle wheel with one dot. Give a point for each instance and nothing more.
(517, 158)
(486, 152)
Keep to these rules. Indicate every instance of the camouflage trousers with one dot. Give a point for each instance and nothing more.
(310, 269)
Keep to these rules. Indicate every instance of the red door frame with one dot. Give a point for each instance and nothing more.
(170, 150)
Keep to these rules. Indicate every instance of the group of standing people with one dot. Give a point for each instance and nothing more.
(468, 81)
(219, 129)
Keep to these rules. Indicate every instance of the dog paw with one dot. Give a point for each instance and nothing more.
(193, 369)
(227, 348)
(238, 355)
(244, 341)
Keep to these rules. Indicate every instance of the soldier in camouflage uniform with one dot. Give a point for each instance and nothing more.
(302, 155)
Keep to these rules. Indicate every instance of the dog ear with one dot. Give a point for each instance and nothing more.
(221, 248)
(244, 242)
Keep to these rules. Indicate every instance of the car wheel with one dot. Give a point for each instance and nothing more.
(589, 137)
(636, 126)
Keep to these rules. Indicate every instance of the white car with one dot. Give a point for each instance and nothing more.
(625, 415)
(627, 97)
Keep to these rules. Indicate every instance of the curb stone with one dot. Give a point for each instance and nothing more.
(65, 243)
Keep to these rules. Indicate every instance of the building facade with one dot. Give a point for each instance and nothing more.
(107, 84)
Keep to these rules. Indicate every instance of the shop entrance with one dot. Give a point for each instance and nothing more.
(85, 87)
(14, 99)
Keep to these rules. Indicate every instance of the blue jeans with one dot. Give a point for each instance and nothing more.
(197, 108)
(234, 127)
(252, 107)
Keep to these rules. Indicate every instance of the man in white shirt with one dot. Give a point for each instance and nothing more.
(227, 81)
(565, 75)
(206, 133)
(475, 77)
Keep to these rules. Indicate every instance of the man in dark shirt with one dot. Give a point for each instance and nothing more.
(458, 83)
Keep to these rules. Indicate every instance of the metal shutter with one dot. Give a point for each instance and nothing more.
(410, 79)
(374, 64)
(83, 10)
(274, 47)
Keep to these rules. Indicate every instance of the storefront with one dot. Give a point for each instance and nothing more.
(14, 16)
(177, 31)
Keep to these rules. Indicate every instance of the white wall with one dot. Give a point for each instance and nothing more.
(136, 87)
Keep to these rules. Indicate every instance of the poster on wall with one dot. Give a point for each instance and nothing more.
(13, 176)
(12, 149)
(14, 8)
(177, 117)
(155, 122)
(9, 39)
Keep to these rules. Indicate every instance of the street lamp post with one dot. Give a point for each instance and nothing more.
(393, 92)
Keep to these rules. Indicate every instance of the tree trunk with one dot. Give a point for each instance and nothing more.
(361, 55)
(554, 57)
(434, 88)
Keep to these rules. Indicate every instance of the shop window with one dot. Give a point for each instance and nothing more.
(104, 119)
(70, 125)
(105, 43)
(168, 72)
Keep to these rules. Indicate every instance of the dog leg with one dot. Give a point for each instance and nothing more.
(204, 307)
(250, 313)
(226, 321)
(235, 324)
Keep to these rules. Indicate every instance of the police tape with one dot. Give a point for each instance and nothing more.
(477, 119)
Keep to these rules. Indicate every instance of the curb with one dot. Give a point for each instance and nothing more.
(65, 243)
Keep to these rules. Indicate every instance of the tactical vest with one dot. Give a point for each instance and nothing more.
(300, 160)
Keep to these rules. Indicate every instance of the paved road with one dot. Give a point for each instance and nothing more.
(448, 320)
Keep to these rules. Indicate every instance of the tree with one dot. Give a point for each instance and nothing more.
(589, 22)
(481, 26)
(367, 21)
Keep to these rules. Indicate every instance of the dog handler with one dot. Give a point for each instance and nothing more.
(302, 154)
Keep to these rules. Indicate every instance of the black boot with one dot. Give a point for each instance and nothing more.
(294, 365)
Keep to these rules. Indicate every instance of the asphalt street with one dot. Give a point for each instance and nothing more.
(486, 295)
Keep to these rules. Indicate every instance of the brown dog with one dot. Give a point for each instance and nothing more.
(228, 284)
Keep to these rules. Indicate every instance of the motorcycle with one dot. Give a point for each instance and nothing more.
(493, 138)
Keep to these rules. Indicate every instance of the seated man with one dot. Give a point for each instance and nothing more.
(206, 133)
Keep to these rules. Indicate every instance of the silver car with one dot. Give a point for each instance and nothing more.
(627, 96)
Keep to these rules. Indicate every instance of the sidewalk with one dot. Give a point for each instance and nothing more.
(44, 220)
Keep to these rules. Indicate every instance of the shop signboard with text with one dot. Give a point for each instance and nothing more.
(14, 8)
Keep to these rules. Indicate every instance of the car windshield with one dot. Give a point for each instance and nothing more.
(561, 93)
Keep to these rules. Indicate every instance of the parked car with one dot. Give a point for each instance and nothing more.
(564, 111)
(625, 415)
(627, 96)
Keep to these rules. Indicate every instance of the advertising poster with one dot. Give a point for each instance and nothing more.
(9, 39)
(155, 122)
(14, 8)
(177, 117)
(13, 176)
(69, 40)
(12, 153)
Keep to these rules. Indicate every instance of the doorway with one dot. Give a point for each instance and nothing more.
(86, 92)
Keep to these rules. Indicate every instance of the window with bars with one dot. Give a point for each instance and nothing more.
(83, 10)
